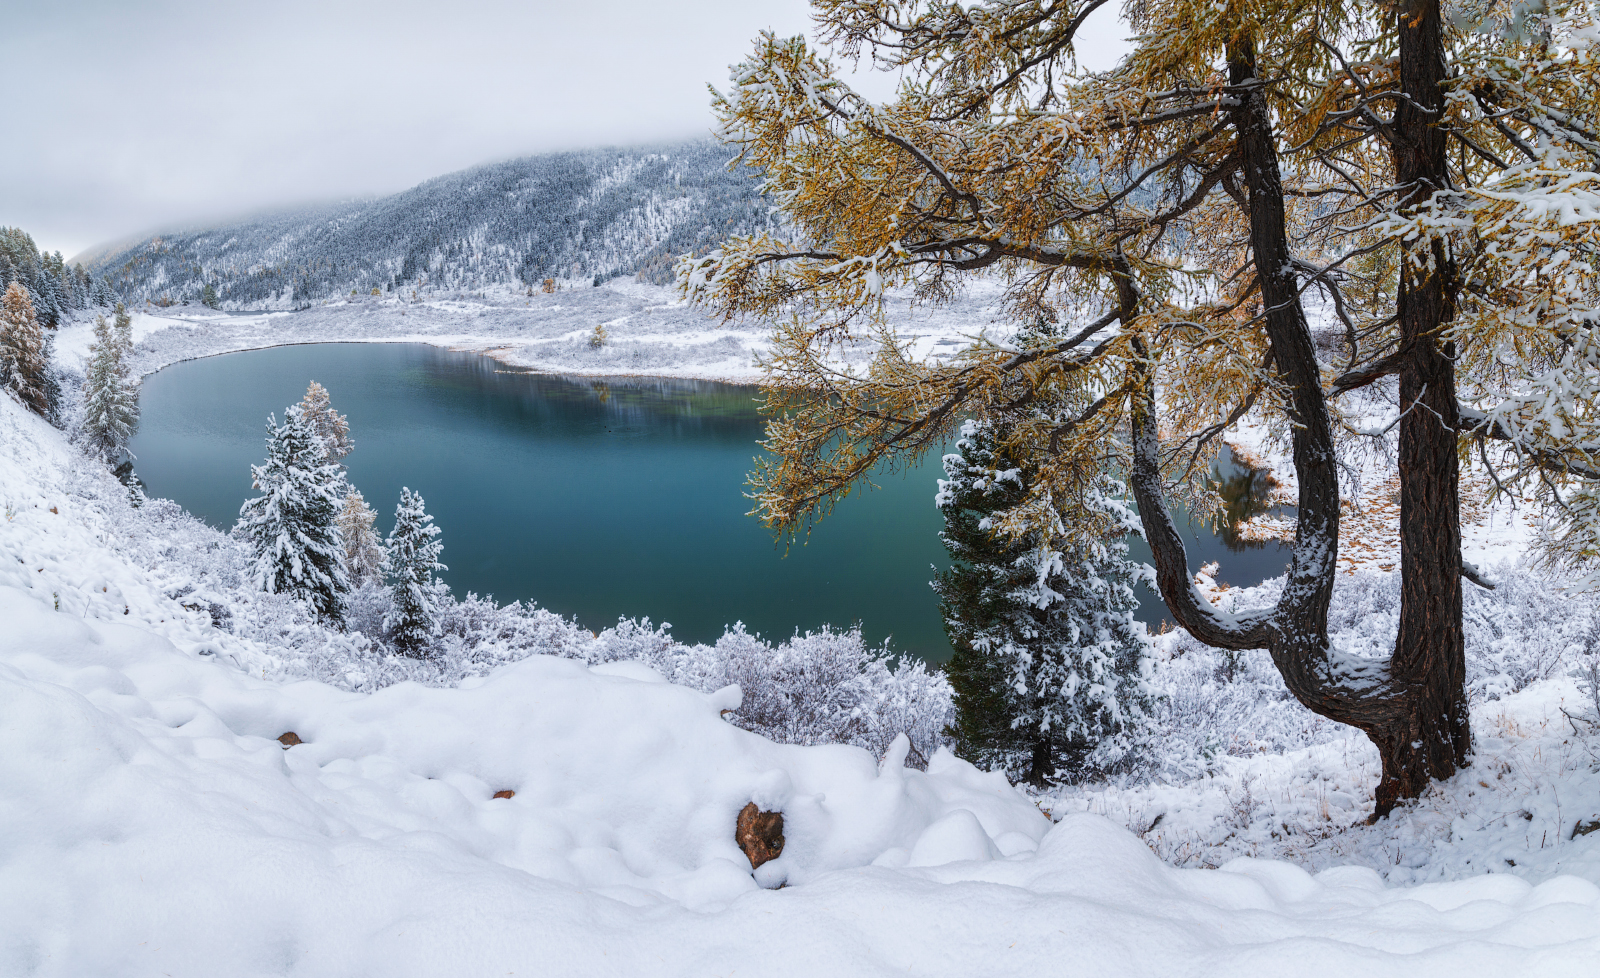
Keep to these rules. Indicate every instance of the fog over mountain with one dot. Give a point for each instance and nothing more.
(579, 215)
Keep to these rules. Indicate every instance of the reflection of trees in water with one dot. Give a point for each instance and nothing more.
(1246, 493)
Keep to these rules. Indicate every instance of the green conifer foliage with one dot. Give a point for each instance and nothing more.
(413, 557)
(292, 527)
(110, 398)
(1049, 661)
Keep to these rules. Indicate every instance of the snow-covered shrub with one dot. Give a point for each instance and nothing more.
(1521, 632)
(478, 634)
(366, 607)
(823, 687)
(1212, 703)
(1586, 671)
(1216, 703)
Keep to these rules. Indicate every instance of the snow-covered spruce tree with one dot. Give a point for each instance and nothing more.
(110, 401)
(413, 557)
(55, 408)
(364, 555)
(1049, 660)
(331, 426)
(293, 526)
(23, 366)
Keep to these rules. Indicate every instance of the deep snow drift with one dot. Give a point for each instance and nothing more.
(153, 825)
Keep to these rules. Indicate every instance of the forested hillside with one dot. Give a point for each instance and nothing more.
(53, 288)
(581, 215)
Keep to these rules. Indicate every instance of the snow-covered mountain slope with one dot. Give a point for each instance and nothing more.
(571, 216)
(154, 825)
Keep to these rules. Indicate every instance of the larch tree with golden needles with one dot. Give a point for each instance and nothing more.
(1424, 173)
(24, 363)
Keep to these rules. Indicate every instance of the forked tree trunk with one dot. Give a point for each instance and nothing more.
(1411, 707)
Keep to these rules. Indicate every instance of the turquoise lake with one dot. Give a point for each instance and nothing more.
(595, 498)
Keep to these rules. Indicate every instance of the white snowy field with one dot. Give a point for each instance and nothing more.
(153, 825)
(649, 330)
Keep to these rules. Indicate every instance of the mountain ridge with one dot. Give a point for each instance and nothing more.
(583, 215)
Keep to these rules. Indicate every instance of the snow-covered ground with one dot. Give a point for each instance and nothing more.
(153, 824)
(649, 330)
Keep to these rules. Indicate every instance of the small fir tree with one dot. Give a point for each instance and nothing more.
(293, 526)
(1049, 660)
(364, 557)
(23, 358)
(413, 557)
(110, 400)
(208, 296)
(50, 382)
(329, 425)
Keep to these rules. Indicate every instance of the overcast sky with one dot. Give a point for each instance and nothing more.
(124, 116)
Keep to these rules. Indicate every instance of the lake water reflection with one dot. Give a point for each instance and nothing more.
(594, 498)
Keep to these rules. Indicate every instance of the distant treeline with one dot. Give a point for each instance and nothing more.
(54, 288)
(591, 215)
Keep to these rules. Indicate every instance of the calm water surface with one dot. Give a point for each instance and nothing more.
(597, 499)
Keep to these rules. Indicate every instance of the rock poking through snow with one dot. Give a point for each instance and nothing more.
(759, 834)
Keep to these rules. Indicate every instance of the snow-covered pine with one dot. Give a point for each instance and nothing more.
(293, 527)
(110, 401)
(331, 426)
(50, 383)
(1050, 663)
(23, 363)
(413, 557)
(364, 556)
(122, 330)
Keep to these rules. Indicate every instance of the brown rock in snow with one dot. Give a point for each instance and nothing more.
(759, 834)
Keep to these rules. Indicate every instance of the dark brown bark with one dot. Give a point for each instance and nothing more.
(1294, 631)
(1411, 707)
(1432, 738)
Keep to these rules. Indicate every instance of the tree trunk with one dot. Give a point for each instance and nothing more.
(1432, 737)
(1412, 706)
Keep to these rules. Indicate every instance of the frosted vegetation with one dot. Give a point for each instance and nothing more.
(1208, 706)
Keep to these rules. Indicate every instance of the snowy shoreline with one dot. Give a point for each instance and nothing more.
(650, 332)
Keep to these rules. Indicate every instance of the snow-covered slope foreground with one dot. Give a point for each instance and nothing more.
(154, 825)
